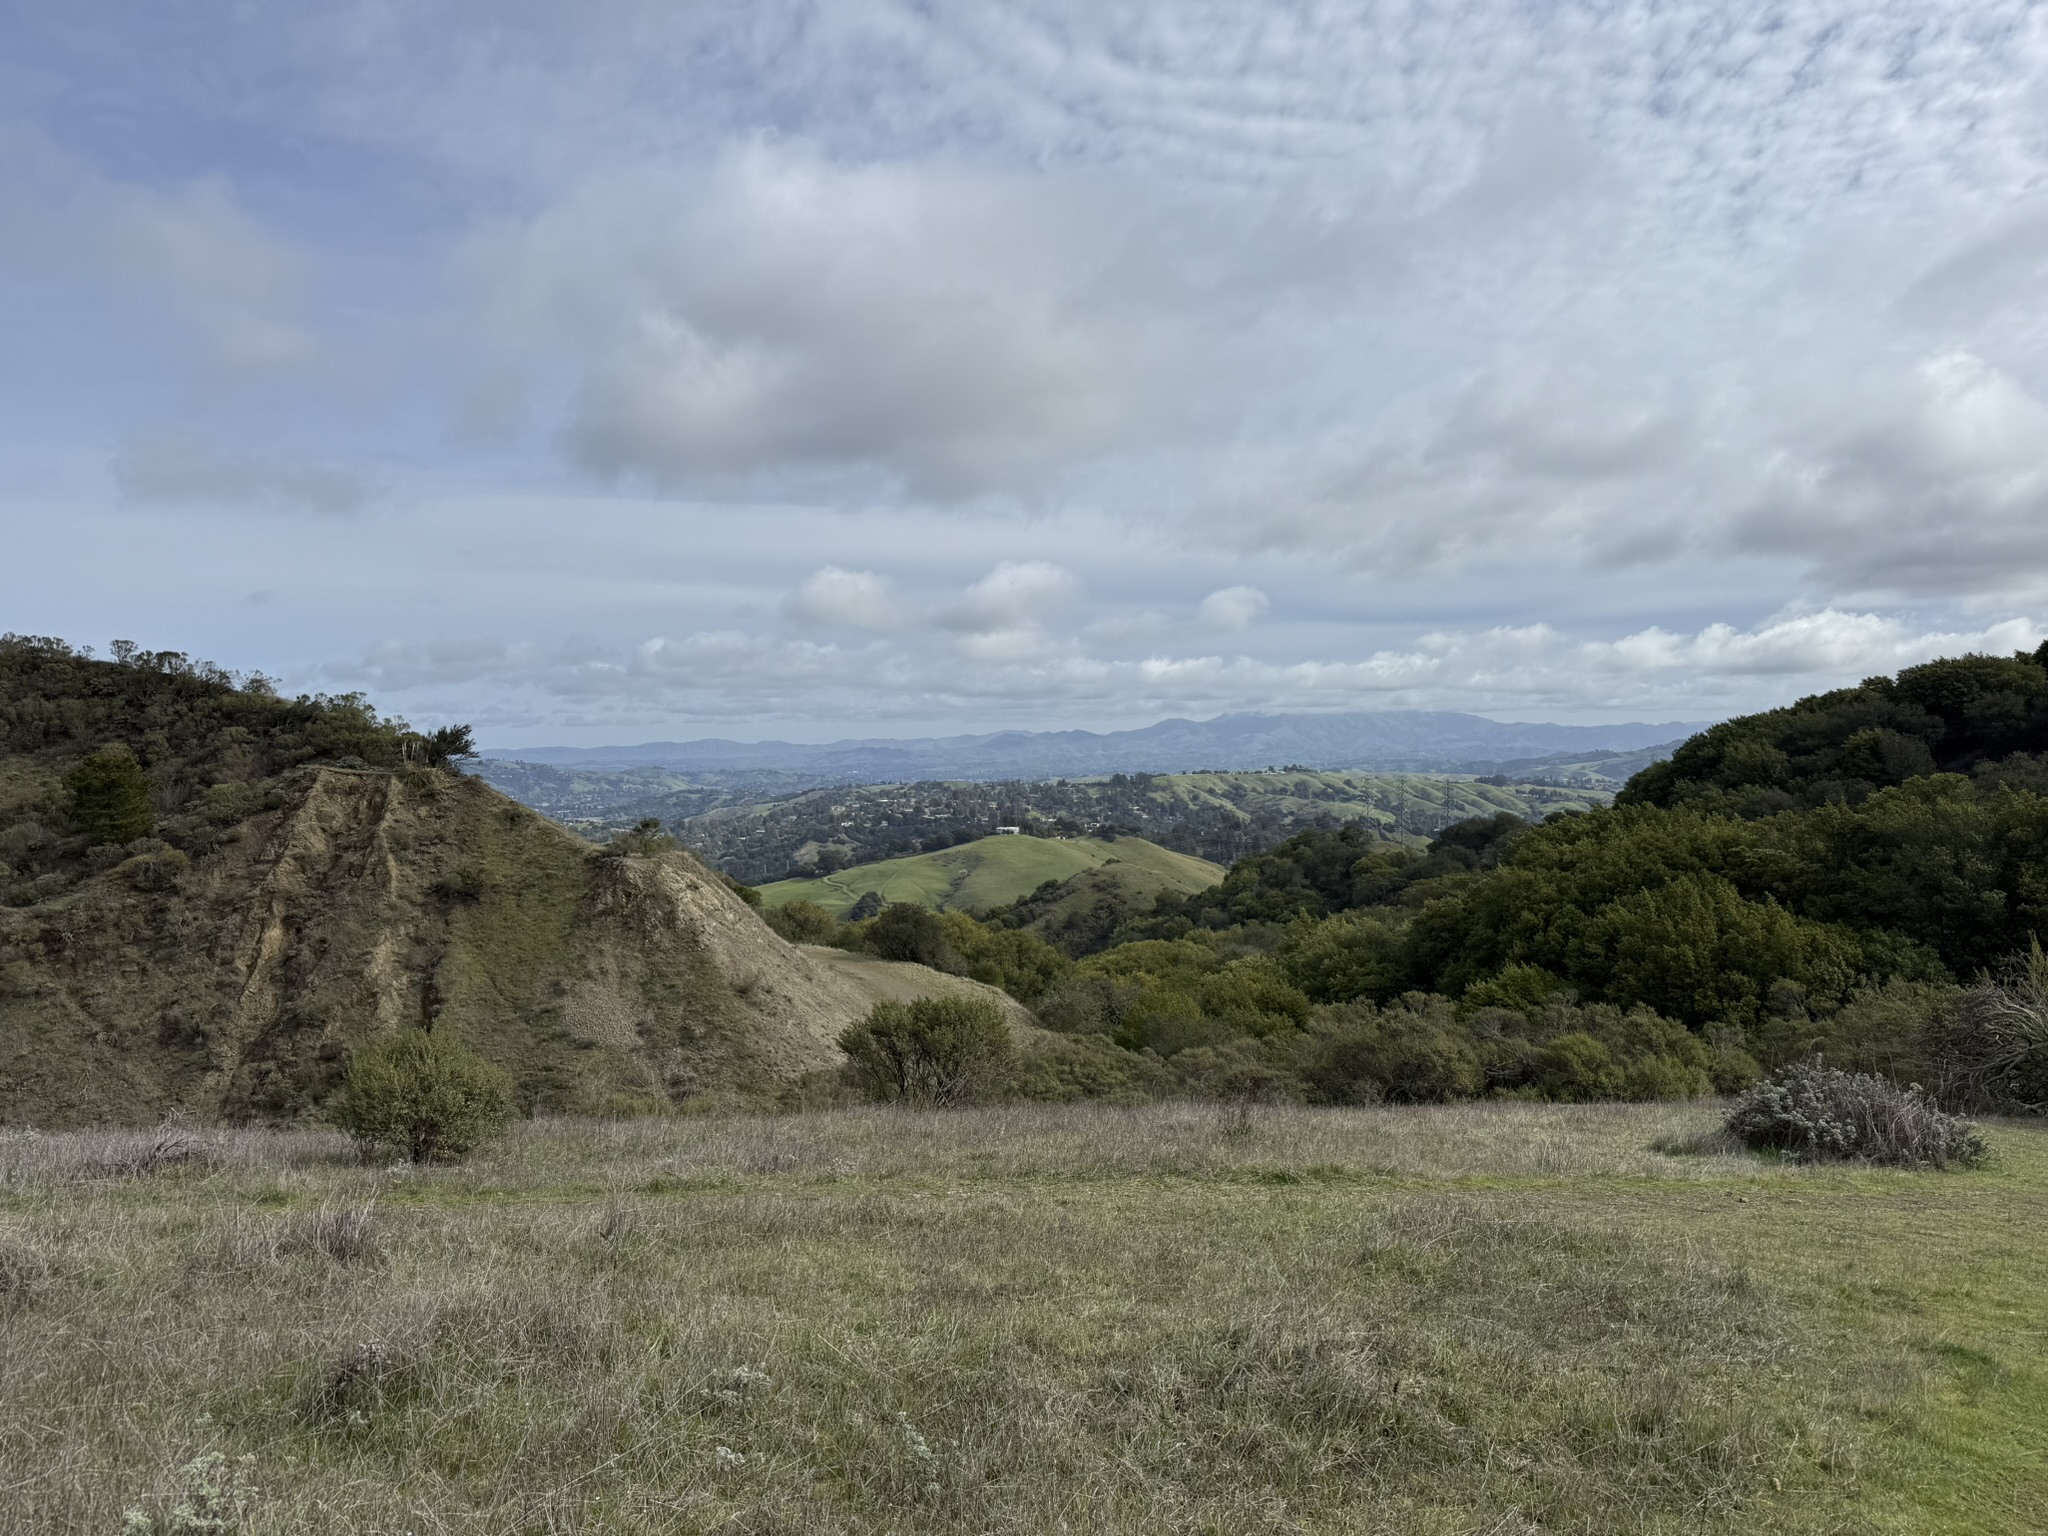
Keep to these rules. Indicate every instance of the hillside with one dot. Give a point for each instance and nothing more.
(1985, 716)
(1213, 816)
(995, 871)
(305, 879)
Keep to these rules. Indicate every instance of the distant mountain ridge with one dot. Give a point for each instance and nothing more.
(1392, 740)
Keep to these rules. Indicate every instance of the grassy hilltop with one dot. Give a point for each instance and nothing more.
(1485, 1318)
(994, 871)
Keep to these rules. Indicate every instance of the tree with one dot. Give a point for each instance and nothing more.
(110, 796)
(448, 745)
(905, 931)
(935, 1051)
(423, 1093)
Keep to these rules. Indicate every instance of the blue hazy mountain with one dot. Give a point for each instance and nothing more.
(1391, 740)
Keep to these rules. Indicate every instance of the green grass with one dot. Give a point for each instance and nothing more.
(1483, 1318)
(994, 871)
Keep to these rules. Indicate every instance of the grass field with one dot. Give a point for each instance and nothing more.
(994, 871)
(1481, 1319)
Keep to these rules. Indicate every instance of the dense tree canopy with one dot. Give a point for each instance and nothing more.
(1964, 714)
(103, 752)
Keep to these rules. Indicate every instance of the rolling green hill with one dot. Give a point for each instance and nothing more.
(1214, 816)
(993, 871)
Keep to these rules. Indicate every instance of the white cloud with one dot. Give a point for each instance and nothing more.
(1933, 480)
(1428, 324)
(951, 332)
(1520, 671)
(1232, 608)
(1016, 596)
(836, 599)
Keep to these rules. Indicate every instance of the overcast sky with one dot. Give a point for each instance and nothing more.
(617, 371)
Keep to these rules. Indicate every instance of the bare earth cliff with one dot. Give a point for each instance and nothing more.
(374, 899)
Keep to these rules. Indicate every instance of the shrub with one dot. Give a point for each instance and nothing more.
(1818, 1113)
(1021, 963)
(906, 931)
(1068, 1069)
(110, 797)
(1577, 1068)
(1240, 1071)
(933, 1051)
(422, 1093)
(645, 840)
(802, 922)
(214, 1497)
(1359, 1055)
(1994, 1052)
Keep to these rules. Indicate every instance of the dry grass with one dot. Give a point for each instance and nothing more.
(1474, 1319)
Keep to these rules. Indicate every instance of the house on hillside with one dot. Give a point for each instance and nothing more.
(1009, 831)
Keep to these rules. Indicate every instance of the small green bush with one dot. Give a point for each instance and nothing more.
(1818, 1113)
(802, 922)
(422, 1093)
(932, 1051)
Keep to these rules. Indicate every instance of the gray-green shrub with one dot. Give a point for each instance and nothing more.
(423, 1093)
(932, 1051)
(1818, 1113)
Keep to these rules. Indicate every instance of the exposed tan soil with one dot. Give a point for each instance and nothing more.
(371, 900)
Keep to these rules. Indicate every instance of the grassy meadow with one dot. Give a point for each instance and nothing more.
(994, 871)
(1471, 1319)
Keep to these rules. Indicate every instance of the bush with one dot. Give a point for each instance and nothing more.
(1410, 1055)
(1021, 963)
(1818, 1113)
(1241, 1071)
(905, 931)
(1576, 1068)
(645, 840)
(1994, 1053)
(802, 922)
(933, 1051)
(423, 1093)
(1069, 1069)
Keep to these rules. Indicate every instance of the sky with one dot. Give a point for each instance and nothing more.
(628, 371)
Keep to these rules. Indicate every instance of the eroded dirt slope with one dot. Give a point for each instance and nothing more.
(370, 900)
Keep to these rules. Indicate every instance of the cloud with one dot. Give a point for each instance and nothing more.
(1232, 608)
(949, 332)
(1614, 325)
(1520, 671)
(1930, 482)
(172, 469)
(1017, 595)
(185, 258)
(836, 599)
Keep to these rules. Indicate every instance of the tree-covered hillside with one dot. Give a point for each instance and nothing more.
(1860, 874)
(196, 747)
(1984, 716)
(1213, 816)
